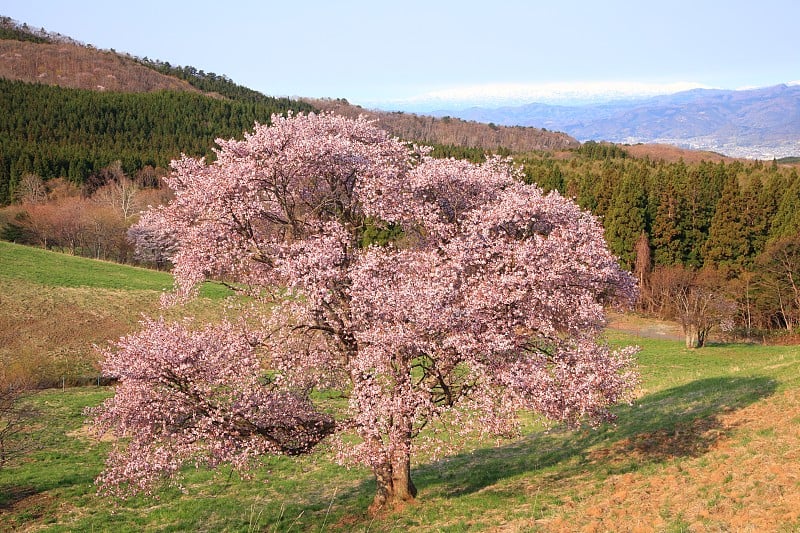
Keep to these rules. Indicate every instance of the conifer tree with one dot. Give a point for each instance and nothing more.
(625, 220)
(727, 244)
(699, 195)
(666, 228)
(604, 188)
(756, 215)
(787, 218)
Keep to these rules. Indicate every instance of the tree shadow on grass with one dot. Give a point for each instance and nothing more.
(22, 503)
(10, 495)
(33, 500)
(682, 421)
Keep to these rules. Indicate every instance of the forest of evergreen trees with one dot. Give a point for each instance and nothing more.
(209, 82)
(693, 214)
(57, 132)
(727, 232)
(9, 30)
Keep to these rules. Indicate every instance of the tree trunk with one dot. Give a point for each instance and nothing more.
(394, 485)
(701, 337)
(393, 471)
(404, 488)
(692, 336)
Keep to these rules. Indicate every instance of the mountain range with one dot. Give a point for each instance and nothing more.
(756, 123)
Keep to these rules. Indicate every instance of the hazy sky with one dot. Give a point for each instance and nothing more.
(372, 51)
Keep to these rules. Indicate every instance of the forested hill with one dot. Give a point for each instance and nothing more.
(38, 56)
(70, 110)
(53, 132)
(454, 131)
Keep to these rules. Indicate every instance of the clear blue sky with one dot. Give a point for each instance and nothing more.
(369, 51)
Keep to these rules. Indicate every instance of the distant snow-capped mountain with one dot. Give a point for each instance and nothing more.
(757, 123)
(495, 95)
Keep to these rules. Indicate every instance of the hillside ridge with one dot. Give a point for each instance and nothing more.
(454, 131)
(58, 60)
(73, 66)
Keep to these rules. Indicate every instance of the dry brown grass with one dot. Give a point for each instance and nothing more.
(747, 480)
(69, 65)
(51, 332)
(48, 332)
(673, 154)
(641, 326)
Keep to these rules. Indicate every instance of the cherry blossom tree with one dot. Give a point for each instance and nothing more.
(153, 242)
(196, 396)
(486, 297)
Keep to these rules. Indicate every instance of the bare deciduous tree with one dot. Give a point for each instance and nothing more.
(120, 193)
(693, 298)
(15, 417)
(30, 190)
(779, 278)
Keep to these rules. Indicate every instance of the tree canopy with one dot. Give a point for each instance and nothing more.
(485, 298)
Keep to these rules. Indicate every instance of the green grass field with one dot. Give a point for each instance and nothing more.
(710, 444)
(52, 269)
(56, 308)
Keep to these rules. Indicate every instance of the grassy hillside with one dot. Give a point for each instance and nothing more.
(57, 270)
(56, 307)
(711, 444)
(49, 269)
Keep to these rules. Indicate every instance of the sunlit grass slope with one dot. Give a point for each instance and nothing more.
(51, 269)
(709, 444)
(54, 308)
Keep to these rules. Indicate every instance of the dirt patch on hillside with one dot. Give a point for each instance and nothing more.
(673, 154)
(746, 478)
(645, 327)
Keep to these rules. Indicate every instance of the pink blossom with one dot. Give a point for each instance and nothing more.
(490, 301)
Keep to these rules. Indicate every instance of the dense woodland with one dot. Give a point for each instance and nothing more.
(693, 214)
(711, 243)
(56, 132)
